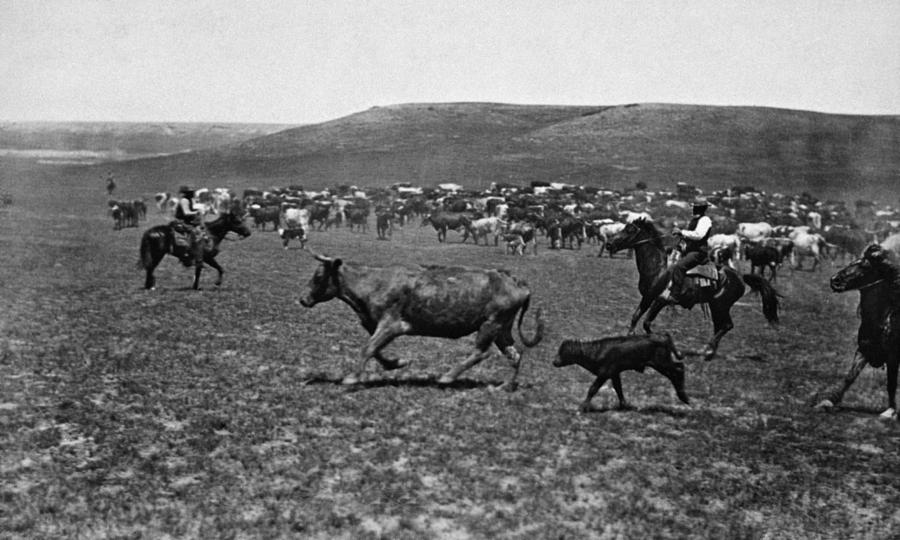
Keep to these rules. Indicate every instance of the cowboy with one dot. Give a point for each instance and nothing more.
(188, 220)
(695, 249)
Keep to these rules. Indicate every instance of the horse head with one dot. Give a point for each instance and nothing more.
(874, 266)
(634, 233)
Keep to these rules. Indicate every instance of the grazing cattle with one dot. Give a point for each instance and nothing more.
(294, 223)
(763, 257)
(605, 231)
(222, 200)
(265, 214)
(754, 232)
(319, 214)
(486, 226)
(846, 241)
(526, 232)
(567, 229)
(384, 224)
(515, 244)
(358, 219)
(892, 243)
(162, 198)
(434, 301)
(124, 213)
(722, 256)
(806, 245)
(628, 216)
(607, 358)
(725, 241)
(443, 221)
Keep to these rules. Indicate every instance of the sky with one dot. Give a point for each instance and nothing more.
(298, 62)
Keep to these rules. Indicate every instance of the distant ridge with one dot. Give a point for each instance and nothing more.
(474, 144)
(127, 138)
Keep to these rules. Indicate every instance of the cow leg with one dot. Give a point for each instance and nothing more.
(586, 406)
(506, 344)
(891, 412)
(484, 338)
(384, 333)
(617, 386)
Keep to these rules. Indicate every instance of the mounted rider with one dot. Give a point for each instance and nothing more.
(189, 220)
(696, 250)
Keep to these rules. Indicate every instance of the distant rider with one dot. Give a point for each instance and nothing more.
(188, 220)
(696, 250)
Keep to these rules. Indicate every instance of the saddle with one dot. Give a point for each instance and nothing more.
(706, 275)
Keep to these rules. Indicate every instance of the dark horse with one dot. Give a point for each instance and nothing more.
(875, 276)
(159, 241)
(650, 255)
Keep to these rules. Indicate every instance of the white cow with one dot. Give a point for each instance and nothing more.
(485, 226)
(754, 232)
(806, 245)
(605, 231)
(718, 242)
(294, 223)
(630, 216)
(892, 243)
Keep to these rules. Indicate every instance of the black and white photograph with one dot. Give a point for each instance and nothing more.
(348, 269)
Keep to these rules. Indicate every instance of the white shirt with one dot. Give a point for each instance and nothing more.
(704, 224)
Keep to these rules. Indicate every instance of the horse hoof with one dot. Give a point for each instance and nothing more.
(889, 414)
(825, 404)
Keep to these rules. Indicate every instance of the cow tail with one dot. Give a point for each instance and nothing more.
(539, 322)
(767, 293)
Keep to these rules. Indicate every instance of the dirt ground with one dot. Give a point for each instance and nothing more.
(218, 414)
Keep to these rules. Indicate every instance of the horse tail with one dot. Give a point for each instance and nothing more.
(150, 237)
(767, 293)
(539, 331)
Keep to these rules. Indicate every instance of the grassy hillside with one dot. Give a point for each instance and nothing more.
(122, 139)
(478, 143)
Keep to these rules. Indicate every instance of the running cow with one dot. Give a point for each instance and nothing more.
(433, 301)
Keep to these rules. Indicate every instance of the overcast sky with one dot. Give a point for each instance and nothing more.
(311, 61)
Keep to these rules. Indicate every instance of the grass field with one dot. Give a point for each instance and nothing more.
(217, 414)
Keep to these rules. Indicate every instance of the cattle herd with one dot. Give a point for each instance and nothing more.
(765, 229)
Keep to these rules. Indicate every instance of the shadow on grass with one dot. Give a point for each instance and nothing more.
(649, 410)
(418, 381)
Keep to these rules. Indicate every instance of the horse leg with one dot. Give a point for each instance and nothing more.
(150, 281)
(212, 262)
(722, 324)
(834, 396)
(892, 368)
(657, 306)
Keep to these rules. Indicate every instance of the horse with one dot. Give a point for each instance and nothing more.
(642, 236)
(875, 276)
(159, 241)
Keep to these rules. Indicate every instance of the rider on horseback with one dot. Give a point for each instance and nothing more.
(189, 220)
(696, 250)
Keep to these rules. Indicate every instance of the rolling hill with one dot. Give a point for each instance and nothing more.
(475, 144)
(121, 140)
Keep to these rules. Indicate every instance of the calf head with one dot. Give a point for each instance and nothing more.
(325, 283)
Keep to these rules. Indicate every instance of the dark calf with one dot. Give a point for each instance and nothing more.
(608, 357)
